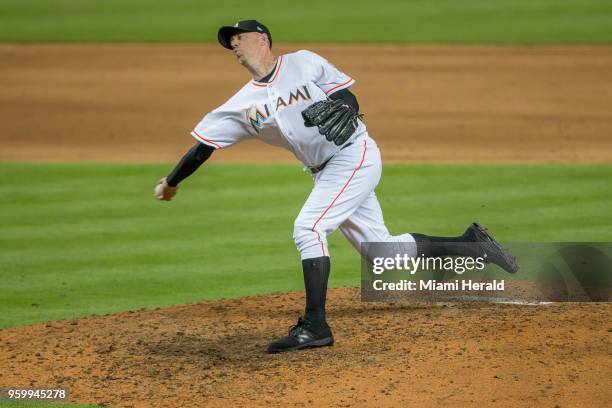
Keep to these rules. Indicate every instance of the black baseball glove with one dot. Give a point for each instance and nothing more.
(336, 120)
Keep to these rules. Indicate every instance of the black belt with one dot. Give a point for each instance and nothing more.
(316, 169)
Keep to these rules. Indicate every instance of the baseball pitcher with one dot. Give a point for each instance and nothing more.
(303, 103)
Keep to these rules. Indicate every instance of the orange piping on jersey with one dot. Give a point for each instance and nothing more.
(280, 64)
(264, 84)
(205, 140)
(338, 86)
(336, 198)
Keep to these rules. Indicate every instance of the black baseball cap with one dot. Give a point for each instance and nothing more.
(243, 26)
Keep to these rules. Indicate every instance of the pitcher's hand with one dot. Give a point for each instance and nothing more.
(163, 191)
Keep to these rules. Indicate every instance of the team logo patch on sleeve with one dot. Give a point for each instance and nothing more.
(257, 115)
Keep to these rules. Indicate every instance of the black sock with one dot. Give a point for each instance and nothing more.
(431, 246)
(316, 274)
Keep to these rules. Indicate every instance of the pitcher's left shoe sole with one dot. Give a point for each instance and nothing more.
(494, 252)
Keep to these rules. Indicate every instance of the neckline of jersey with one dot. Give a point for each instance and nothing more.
(276, 71)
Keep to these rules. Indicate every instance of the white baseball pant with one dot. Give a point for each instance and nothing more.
(343, 197)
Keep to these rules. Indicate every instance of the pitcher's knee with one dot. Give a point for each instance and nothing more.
(309, 242)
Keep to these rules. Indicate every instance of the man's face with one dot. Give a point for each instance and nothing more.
(248, 46)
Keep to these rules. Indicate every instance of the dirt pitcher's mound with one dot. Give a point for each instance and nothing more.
(402, 354)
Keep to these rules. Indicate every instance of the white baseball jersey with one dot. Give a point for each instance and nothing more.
(271, 111)
(343, 193)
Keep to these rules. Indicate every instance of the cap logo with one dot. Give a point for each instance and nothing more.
(259, 28)
(236, 25)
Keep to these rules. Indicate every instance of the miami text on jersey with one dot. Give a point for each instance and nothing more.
(257, 114)
(293, 97)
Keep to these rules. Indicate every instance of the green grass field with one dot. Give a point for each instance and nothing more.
(397, 21)
(81, 239)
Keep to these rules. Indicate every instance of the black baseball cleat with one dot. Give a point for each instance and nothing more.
(302, 336)
(492, 251)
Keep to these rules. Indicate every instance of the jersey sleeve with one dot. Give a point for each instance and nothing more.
(222, 128)
(326, 76)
